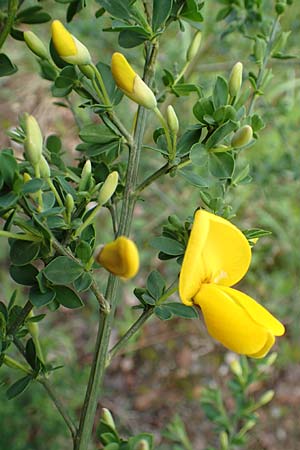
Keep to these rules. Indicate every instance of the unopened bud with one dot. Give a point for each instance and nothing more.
(108, 418)
(142, 445)
(266, 397)
(35, 44)
(224, 441)
(108, 188)
(67, 46)
(69, 204)
(236, 368)
(235, 79)
(120, 257)
(271, 359)
(280, 8)
(194, 46)
(172, 120)
(26, 177)
(220, 149)
(86, 175)
(34, 141)
(44, 168)
(13, 364)
(87, 70)
(242, 137)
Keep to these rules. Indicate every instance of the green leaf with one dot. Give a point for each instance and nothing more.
(25, 275)
(204, 107)
(167, 245)
(155, 284)
(6, 66)
(83, 283)
(161, 12)
(193, 178)
(67, 297)
(180, 310)
(191, 10)
(38, 298)
(8, 166)
(257, 123)
(117, 8)
(221, 165)
(181, 89)
(190, 137)
(53, 143)
(47, 70)
(62, 270)
(220, 93)
(220, 133)
(23, 252)
(18, 387)
(199, 155)
(162, 312)
(9, 200)
(97, 134)
(32, 186)
(84, 251)
(131, 38)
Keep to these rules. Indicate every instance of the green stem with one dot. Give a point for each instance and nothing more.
(129, 333)
(39, 193)
(106, 320)
(21, 237)
(263, 66)
(11, 12)
(88, 221)
(59, 405)
(12, 363)
(99, 78)
(56, 194)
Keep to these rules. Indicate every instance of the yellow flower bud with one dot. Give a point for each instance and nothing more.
(34, 141)
(235, 79)
(35, 44)
(131, 83)
(108, 418)
(26, 177)
(236, 368)
(172, 120)
(194, 46)
(242, 137)
(44, 168)
(108, 188)
(67, 46)
(120, 257)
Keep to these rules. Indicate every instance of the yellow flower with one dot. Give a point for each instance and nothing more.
(120, 257)
(131, 83)
(218, 256)
(67, 46)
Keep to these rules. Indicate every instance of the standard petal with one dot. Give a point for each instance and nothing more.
(123, 73)
(268, 345)
(229, 323)
(193, 271)
(227, 253)
(258, 313)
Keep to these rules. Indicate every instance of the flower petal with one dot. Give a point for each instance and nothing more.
(123, 73)
(227, 253)
(193, 270)
(229, 322)
(120, 257)
(268, 345)
(63, 40)
(258, 313)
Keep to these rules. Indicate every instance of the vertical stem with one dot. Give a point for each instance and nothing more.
(11, 12)
(106, 318)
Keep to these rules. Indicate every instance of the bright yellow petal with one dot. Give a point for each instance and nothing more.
(258, 313)
(63, 41)
(193, 271)
(268, 345)
(228, 322)
(123, 73)
(120, 257)
(227, 253)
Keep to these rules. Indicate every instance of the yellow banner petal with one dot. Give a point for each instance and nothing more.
(123, 73)
(227, 253)
(193, 270)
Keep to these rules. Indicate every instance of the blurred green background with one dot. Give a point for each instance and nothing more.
(167, 365)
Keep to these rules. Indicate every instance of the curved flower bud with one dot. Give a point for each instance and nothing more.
(44, 168)
(172, 120)
(131, 83)
(218, 256)
(242, 137)
(235, 79)
(120, 257)
(67, 46)
(108, 187)
(34, 141)
(108, 418)
(194, 46)
(35, 44)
